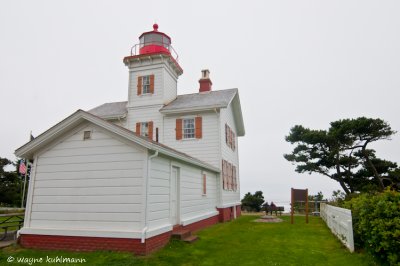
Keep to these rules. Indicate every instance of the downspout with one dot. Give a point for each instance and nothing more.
(146, 215)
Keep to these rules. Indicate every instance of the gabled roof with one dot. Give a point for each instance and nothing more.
(208, 101)
(110, 110)
(28, 150)
(182, 104)
(200, 101)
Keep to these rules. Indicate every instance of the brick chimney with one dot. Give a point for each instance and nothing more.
(205, 81)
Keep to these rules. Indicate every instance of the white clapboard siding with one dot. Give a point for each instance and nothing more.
(206, 148)
(51, 168)
(79, 225)
(98, 191)
(89, 183)
(146, 114)
(90, 150)
(170, 87)
(79, 143)
(159, 189)
(146, 99)
(193, 202)
(154, 198)
(107, 174)
(98, 158)
(87, 208)
(95, 183)
(160, 206)
(227, 117)
(103, 199)
(85, 216)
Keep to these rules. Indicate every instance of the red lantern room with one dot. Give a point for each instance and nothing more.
(154, 45)
(154, 42)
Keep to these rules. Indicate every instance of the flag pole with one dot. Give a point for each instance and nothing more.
(26, 174)
(23, 191)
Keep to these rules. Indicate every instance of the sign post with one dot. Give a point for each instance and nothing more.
(298, 195)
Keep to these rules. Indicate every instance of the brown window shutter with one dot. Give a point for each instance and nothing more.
(199, 127)
(234, 178)
(229, 176)
(233, 141)
(138, 128)
(151, 130)
(178, 129)
(139, 86)
(229, 137)
(152, 84)
(223, 174)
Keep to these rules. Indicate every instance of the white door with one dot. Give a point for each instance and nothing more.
(175, 196)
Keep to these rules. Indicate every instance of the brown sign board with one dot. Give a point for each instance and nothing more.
(299, 194)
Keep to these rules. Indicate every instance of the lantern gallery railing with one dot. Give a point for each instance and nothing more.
(137, 49)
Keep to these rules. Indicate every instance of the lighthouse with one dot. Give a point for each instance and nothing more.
(175, 168)
(153, 74)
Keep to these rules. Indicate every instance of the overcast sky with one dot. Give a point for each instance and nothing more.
(294, 62)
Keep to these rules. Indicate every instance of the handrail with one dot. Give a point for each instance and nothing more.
(136, 48)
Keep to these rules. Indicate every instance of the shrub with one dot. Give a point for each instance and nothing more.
(252, 202)
(376, 223)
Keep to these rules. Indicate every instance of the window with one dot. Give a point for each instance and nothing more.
(188, 128)
(229, 176)
(87, 135)
(144, 129)
(146, 84)
(204, 176)
(230, 137)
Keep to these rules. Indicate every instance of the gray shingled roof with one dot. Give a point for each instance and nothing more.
(110, 110)
(213, 99)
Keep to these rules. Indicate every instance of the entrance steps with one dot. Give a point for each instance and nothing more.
(184, 235)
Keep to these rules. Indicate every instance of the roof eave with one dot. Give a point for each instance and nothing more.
(114, 117)
(237, 109)
(193, 109)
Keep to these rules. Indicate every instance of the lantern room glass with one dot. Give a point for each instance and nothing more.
(154, 39)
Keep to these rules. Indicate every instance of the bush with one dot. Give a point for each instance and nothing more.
(376, 223)
(252, 202)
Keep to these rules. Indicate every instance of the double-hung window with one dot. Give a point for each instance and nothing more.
(188, 128)
(144, 129)
(146, 84)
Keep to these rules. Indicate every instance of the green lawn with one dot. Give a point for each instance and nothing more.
(241, 242)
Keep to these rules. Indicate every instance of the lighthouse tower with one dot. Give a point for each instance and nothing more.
(153, 74)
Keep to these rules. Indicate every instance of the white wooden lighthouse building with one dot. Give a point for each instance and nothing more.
(126, 175)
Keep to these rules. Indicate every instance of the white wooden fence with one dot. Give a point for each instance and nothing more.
(340, 222)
